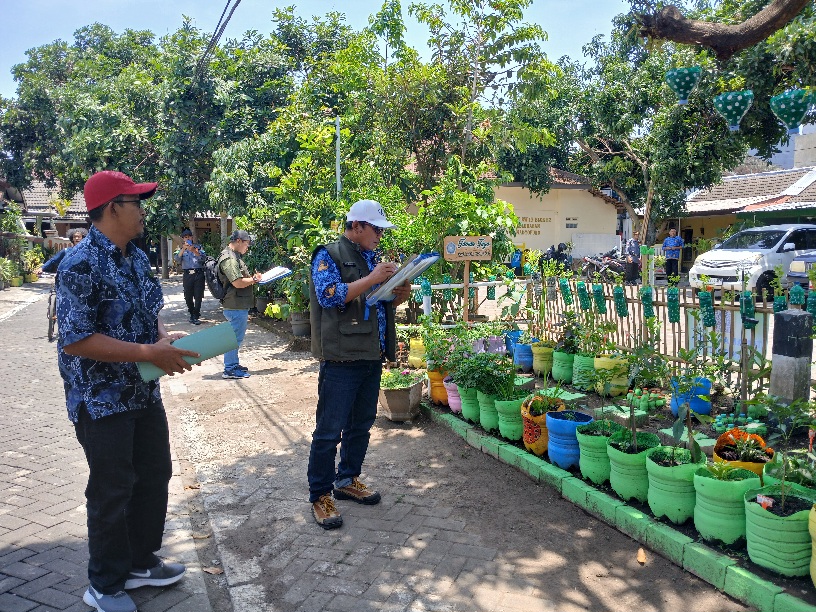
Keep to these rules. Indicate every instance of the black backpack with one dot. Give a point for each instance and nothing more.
(217, 287)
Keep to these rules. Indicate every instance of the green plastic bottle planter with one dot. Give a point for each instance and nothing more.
(491, 291)
(447, 294)
(796, 295)
(673, 299)
(511, 426)
(562, 366)
(780, 544)
(542, 359)
(791, 107)
(683, 81)
(600, 299)
(748, 310)
(488, 417)
(779, 303)
(733, 105)
(583, 296)
(647, 299)
(594, 460)
(566, 291)
(470, 404)
(811, 303)
(719, 510)
(621, 307)
(707, 308)
(583, 372)
(671, 488)
(627, 471)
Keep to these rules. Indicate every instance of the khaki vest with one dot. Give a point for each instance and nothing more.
(346, 335)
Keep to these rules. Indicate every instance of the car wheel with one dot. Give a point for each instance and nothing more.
(764, 284)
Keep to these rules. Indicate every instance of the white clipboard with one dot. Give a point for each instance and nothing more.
(407, 272)
(276, 273)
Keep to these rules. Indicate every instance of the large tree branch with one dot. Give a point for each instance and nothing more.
(724, 40)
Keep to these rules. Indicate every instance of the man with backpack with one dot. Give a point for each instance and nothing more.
(238, 298)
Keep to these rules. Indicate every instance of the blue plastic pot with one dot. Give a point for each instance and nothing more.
(563, 446)
(523, 357)
(511, 337)
(702, 386)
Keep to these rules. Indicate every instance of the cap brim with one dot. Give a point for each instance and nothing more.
(143, 190)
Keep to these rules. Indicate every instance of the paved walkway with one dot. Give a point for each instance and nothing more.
(43, 546)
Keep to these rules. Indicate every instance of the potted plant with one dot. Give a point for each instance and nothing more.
(744, 450)
(627, 463)
(565, 348)
(32, 260)
(593, 341)
(296, 289)
(523, 353)
(7, 270)
(542, 357)
(495, 372)
(593, 459)
(400, 394)
(438, 343)
(509, 397)
(798, 469)
(719, 508)
(467, 376)
(563, 444)
(534, 411)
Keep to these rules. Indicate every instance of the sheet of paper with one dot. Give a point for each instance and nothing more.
(274, 274)
(412, 268)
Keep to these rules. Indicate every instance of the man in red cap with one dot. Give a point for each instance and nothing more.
(108, 303)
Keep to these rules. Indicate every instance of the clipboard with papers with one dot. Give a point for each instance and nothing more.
(276, 273)
(412, 268)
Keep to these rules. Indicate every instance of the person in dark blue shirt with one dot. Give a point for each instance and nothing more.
(632, 253)
(76, 236)
(191, 256)
(108, 304)
(672, 246)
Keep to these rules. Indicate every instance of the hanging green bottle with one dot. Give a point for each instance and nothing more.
(563, 284)
(748, 310)
(600, 299)
(673, 299)
(811, 303)
(491, 291)
(780, 303)
(510, 275)
(707, 308)
(796, 295)
(621, 307)
(471, 290)
(425, 284)
(583, 296)
(447, 294)
(646, 299)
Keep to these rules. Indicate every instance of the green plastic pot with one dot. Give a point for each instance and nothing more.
(767, 479)
(488, 417)
(671, 488)
(470, 405)
(511, 426)
(594, 460)
(627, 472)
(780, 544)
(583, 372)
(562, 366)
(719, 510)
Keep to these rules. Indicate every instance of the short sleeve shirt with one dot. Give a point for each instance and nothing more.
(677, 241)
(233, 267)
(101, 290)
(190, 260)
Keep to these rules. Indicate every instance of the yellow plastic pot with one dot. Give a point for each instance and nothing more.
(437, 392)
(756, 468)
(416, 353)
(619, 382)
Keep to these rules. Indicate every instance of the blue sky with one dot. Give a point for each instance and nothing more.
(30, 23)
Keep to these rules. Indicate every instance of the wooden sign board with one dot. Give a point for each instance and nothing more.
(468, 248)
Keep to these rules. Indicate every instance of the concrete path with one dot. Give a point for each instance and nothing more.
(43, 545)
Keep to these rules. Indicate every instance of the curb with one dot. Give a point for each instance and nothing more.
(720, 571)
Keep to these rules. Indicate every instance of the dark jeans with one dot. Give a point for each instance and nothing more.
(672, 269)
(632, 271)
(194, 291)
(128, 456)
(346, 408)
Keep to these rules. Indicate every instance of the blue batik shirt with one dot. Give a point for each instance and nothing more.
(331, 291)
(100, 290)
(677, 241)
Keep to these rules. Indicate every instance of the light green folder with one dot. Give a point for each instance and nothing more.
(215, 340)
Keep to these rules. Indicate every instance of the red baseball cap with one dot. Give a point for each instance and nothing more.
(104, 186)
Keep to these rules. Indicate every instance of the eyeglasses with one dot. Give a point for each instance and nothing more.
(377, 230)
(137, 202)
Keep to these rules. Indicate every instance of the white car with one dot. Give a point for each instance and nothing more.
(754, 252)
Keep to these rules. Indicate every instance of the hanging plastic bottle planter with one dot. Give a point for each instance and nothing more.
(425, 285)
(779, 303)
(683, 81)
(707, 308)
(537, 288)
(673, 299)
(491, 291)
(811, 303)
(621, 307)
(563, 284)
(447, 294)
(583, 296)
(791, 107)
(748, 310)
(647, 299)
(796, 295)
(733, 105)
(600, 300)
(471, 290)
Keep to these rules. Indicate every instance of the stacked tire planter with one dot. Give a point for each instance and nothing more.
(563, 446)
(627, 471)
(594, 460)
(671, 488)
(719, 509)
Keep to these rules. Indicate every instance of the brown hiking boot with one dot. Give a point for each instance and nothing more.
(326, 513)
(358, 492)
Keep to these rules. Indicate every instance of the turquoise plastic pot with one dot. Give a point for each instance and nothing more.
(563, 448)
(671, 488)
(470, 405)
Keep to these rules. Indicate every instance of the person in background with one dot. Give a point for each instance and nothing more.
(239, 298)
(191, 257)
(350, 339)
(108, 305)
(672, 245)
(75, 236)
(632, 253)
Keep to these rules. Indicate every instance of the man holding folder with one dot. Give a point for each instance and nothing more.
(108, 304)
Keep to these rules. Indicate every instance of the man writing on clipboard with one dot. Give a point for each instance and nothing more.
(351, 340)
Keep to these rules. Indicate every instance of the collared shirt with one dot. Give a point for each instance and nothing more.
(52, 264)
(100, 290)
(190, 260)
(633, 247)
(677, 241)
(331, 291)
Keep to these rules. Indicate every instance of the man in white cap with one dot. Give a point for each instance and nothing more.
(350, 340)
(108, 302)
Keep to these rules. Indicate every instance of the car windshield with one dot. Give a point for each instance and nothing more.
(753, 240)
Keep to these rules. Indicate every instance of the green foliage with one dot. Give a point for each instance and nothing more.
(570, 338)
(8, 269)
(798, 467)
(400, 379)
(720, 470)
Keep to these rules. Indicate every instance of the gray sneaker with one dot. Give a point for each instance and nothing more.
(164, 574)
(120, 602)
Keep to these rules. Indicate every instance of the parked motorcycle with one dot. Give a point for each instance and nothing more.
(559, 254)
(605, 266)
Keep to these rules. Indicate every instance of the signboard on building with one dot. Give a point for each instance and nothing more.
(468, 248)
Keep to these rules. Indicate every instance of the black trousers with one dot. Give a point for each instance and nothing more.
(128, 456)
(672, 269)
(194, 290)
(632, 271)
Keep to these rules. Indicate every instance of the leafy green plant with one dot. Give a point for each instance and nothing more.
(400, 379)
(595, 336)
(776, 281)
(798, 467)
(724, 471)
(32, 259)
(497, 373)
(570, 337)
(7, 269)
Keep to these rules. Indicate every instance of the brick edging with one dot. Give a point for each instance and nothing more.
(717, 569)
